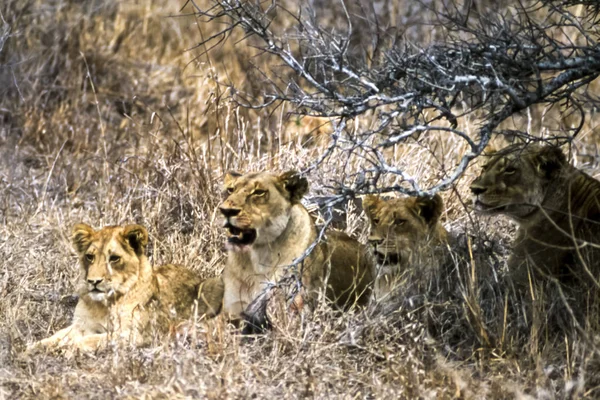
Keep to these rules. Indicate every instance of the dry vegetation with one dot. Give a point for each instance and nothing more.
(106, 117)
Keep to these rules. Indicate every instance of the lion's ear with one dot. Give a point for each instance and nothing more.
(549, 160)
(430, 209)
(295, 185)
(81, 237)
(370, 204)
(137, 237)
(230, 177)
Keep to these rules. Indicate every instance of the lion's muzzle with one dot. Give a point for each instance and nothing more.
(98, 289)
(238, 236)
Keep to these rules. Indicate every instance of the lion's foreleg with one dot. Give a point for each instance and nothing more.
(91, 342)
(59, 339)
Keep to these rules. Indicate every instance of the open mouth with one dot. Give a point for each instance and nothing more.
(387, 259)
(240, 237)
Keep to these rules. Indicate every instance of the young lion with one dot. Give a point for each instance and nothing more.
(119, 293)
(405, 232)
(556, 206)
(268, 228)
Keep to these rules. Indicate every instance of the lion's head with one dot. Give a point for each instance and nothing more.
(515, 179)
(112, 259)
(401, 227)
(257, 207)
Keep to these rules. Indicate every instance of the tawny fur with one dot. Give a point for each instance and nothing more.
(269, 205)
(556, 206)
(120, 294)
(404, 233)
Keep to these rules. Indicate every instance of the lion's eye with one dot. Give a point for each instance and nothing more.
(89, 257)
(399, 221)
(229, 190)
(259, 192)
(376, 221)
(510, 170)
(114, 259)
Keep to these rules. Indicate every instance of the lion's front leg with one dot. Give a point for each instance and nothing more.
(533, 262)
(234, 294)
(59, 339)
(234, 309)
(91, 342)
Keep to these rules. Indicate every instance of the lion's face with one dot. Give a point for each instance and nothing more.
(257, 207)
(110, 259)
(400, 226)
(515, 179)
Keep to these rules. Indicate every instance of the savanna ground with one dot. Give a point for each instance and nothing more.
(108, 115)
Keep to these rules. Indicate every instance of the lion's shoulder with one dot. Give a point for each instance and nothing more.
(583, 191)
(572, 202)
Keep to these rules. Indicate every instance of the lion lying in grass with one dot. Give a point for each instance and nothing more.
(556, 206)
(405, 233)
(268, 229)
(120, 294)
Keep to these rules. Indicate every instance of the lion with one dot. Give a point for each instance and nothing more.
(120, 293)
(268, 229)
(557, 209)
(405, 233)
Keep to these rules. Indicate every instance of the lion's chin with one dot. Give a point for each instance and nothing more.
(103, 296)
(97, 295)
(518, 211)
(237, 248)
(488, 209)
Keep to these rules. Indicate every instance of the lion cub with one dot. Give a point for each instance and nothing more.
(120, 293)
(268, 229)
(556, 206)
(405, 233)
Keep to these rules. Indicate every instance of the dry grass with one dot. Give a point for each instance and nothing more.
(106, 119)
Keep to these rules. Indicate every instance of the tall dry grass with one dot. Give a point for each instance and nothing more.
(110, 114)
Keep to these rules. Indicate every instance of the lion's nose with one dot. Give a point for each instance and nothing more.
(95, 282)
(229, 212)
(477, 189)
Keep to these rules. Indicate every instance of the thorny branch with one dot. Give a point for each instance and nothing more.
(489, 67)
(483, 66)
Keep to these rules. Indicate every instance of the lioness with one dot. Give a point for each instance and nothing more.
(405, 232)
(120, 293)
(556, 206)
(268, 228)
